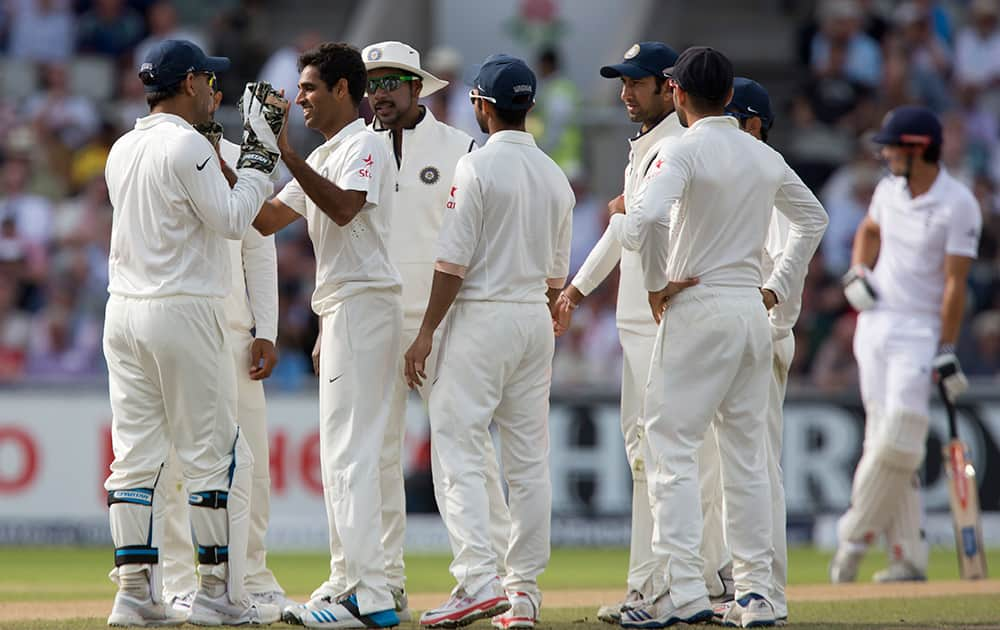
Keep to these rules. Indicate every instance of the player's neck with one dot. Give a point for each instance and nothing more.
(173, 107)
(922, 177)
(339, 122)
(652, 122)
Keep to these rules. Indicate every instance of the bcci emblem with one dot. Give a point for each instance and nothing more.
(374, 54)
(430, 175)
(632, 52)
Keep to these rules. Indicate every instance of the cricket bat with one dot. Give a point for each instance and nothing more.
(964, 501)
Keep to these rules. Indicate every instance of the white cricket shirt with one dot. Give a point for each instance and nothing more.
(423, 178)
(916, 235)
(707, 206)
(508, 222)
(632, 312)
(173, 210)
(252, 302)
(355, 257)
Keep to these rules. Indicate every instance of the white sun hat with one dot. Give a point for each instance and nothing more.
(399, 55)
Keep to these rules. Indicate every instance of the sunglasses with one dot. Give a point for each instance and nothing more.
(389, 82)
(473, 95)
(212, 82)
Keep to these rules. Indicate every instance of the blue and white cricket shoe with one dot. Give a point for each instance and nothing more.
(662, 613)
(750, 611)
(344, 613)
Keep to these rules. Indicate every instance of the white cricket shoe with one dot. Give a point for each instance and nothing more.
(295, 613)
(728, 586)
(219, 611)
(661, 613)
(181, 601)
(845, 564)
(719, 610)
(750, 611)
(900, 571)
(402, 603)
(463, 608)
(274, 598)
(344, 613)
(523, 613)
(612, 613)
(132, 611)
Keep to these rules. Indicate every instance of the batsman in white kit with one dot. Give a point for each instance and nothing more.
(166, 344)
(704, 214)
(921, 235)
(426, 151)
(648, 101)
(344, 191)
(751, 106)
(503, 255)
(251, 310)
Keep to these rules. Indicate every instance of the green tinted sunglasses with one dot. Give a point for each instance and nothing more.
(389, 82)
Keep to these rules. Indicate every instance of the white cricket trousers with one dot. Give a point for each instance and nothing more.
(637, 350)
(172, 387)
(712, 356)
(393, 495)
(495, 364)
(177, 552)
(714, 549)
(894, 353)
(360, 363)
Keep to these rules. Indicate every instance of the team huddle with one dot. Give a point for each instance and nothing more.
(428, 250)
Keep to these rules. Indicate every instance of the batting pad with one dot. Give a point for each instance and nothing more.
(136, 526)
(221, 522)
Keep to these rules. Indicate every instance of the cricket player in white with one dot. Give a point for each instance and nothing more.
(426, 152)
(252, 316)
(344, 191)
(503, 255)
(921, 234)
(704, 214)
(751, 106)
(165, 340)
(648, 100)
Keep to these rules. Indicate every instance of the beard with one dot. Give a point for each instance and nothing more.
(481, 121)
(682, 117)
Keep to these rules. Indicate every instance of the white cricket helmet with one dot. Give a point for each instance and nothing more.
(404, 57)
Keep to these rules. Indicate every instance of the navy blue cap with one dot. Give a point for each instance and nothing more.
(507, 82)
(909, 124)
(170, 61)
(751, 99)
(645, 59)
(702, 71)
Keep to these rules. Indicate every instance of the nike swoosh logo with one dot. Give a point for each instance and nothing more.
(752, 110)
(335, 378)
(202, 165)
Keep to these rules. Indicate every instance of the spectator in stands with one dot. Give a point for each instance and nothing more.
(986, 337)
(451, 104)
(30, 215)
(63, 121)
(841, 48)
(65, 340)
(130, 101)
(161, 19)
(14, 323)
(554, 120)
(977, 55)
(41, 30)
(846, 197)
(834, 368)
(110, 28)
(927, 55)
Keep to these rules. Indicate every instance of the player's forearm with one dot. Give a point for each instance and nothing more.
(867, 241)
(952, 308)
(338, 204)
(444, 290)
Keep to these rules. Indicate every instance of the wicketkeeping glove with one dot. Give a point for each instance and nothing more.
(858, 291)
(263, 113)
(948, 371)
(211, 130)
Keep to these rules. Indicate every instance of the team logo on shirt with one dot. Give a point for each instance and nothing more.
(451, 199)
(374, 54)
(366, 170)
(430, 175)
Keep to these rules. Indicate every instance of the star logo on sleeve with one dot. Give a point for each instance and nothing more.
(366, 170)
(451, 198)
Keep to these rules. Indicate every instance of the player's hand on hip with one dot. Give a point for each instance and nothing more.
(659, 300)
(415, 359)
(263, 358)
(617, 205)
(566, 303)
(948, 371)
(770, 298)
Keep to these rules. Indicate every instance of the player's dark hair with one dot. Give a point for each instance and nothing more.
(511, 117)
(660, 82)
(704, 105)
(932, 154)
(155, 98)
(336, 61)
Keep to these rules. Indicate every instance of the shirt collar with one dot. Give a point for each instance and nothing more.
(513, 137)
(716, 120)
(347, 131)
(425, 115)
(147, 122)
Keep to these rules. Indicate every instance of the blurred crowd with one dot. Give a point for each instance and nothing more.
(68, 89)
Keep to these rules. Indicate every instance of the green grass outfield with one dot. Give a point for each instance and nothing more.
(50, 575)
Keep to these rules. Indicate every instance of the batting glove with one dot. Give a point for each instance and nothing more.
(948, 372)
(857, 289)
(263, 113)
